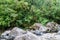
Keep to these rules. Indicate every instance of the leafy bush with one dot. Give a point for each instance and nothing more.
(24, 13)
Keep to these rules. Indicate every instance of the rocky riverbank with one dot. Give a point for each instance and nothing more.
(36, 32)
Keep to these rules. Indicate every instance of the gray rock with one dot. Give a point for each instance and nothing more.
(28, 36)
(58, 31)
(10, 35)
(19, 34)
(37, 32)
(20, 37)
(31, 36)
(47, 36)
(5, 35)
(17, 31)
(6, 32)
(58, 27)
(3, 39)
(57, 37)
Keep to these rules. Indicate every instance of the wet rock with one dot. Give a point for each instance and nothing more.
(17, 31)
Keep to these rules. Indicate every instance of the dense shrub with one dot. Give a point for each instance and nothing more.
(24, 13)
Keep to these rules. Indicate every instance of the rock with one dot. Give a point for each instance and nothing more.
(38, 26)
(37, 32)
(10, 35)
(48, 36)
(43, 38)
(28, 36)
(31, 36)
(3, 39)
(17, 31)
(56, 37)
(52, 27)
(19, 34)
(6, 36)
(58, 32)
(6, 33)
(43, 29)
(58, 27)
(19, 37)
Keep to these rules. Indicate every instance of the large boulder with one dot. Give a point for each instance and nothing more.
(17, 31)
